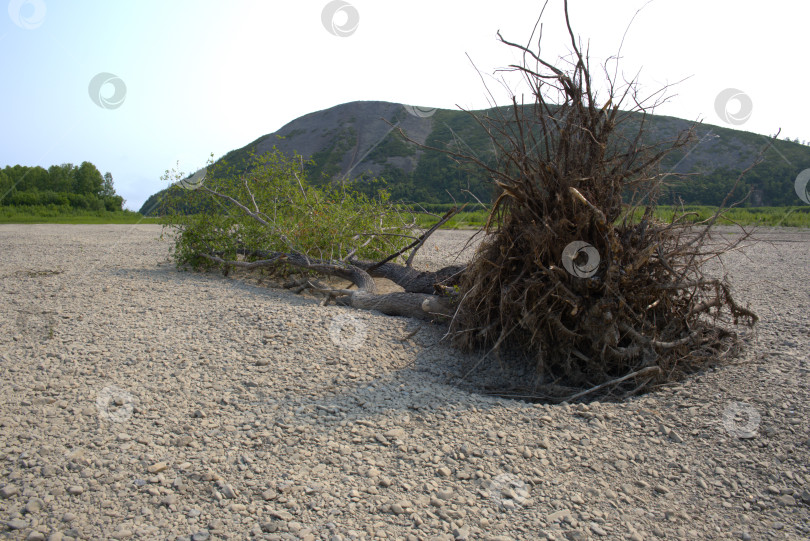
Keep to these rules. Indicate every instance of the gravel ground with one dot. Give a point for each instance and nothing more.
(142, 402)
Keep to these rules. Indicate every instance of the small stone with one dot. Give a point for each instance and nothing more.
(661, 489)
(35, 536)
(201, 536)
(557, 516)
(674, 436)
(598, 530)
(395, 433)
(227, 490)
(157, 467)
(34, 505)
(75, 490)
(444, 472)
(16, 524)
(577, 499)
(122, 534)
(8, 491)
(386, 482)
(268, 527)
(444, 493)
(170, 499)
(786, 499)
(281, 515)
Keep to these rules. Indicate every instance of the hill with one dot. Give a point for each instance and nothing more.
(360, 141)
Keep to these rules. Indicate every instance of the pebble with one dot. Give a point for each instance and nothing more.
(157, 467)
(8, 491)
(17, 524)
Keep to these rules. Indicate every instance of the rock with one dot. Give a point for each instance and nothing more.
(203, 535)
(558, 516)
(444, 472)
(598, 530)
(281, 515)
(786, 499)
(35, 536)
(157, 467)
(577, 499)
(227, 490)
(8, 491)
(395, 433)
(75, 490)
(16, 524)
(34, 505)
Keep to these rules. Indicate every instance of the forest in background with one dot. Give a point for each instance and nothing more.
(64, 188)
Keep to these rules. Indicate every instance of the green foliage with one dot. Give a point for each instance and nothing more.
(81, 187)
(746, 216)
(65, 214)
(323, 222)
(393, 145)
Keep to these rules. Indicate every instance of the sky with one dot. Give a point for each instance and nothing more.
(134, 86)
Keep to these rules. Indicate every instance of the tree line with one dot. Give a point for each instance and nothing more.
(66, 185)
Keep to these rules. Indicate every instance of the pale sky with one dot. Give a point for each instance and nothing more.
(192, 77)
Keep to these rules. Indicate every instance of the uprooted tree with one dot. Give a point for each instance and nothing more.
(573, 274)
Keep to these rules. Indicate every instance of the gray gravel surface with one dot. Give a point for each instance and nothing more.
(142, 402)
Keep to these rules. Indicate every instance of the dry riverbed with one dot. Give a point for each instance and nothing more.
(142, 402)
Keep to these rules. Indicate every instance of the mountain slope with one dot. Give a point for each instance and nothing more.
(360, 140)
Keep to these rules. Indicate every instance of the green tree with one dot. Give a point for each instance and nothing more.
(107, 188)
(60, 178)
(88, 180)
(5, 187)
